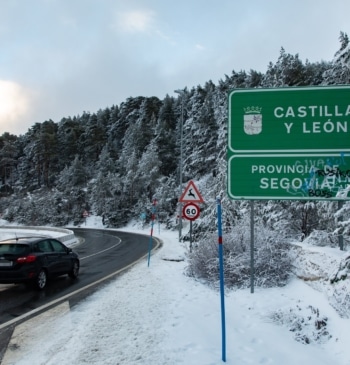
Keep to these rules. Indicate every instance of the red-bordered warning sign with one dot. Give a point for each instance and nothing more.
(191, 194)
(191, 211)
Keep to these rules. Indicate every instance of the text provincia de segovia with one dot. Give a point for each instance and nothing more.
(310, 173)
(311, 177)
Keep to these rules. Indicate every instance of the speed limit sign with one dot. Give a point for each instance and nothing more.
(191, 211)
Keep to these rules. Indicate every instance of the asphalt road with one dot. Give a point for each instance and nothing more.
(103, 254)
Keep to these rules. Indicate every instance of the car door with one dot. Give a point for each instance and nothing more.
(48, 257)
(64, 262)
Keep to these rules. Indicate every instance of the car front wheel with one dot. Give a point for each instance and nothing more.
(41, 280)
(75, 270)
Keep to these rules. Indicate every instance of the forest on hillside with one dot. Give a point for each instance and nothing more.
(115, 161)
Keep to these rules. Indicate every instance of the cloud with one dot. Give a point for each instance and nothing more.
(71, 56)
(135, 21)
(200, 47)
(15, 103)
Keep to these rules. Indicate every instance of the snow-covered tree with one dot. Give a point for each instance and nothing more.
(339, 72)
(148, 170)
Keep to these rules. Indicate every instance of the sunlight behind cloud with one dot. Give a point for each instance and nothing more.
(14, 104)
(136, 21)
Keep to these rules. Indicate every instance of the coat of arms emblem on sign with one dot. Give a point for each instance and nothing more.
(252, 120)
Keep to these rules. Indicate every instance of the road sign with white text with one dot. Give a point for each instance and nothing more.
(289, 143)
(282, 120)
(292, 176)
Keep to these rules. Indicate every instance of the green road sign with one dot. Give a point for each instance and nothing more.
(283, 120)
(289, 143)
(290, 176)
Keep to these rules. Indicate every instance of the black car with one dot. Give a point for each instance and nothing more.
(36, 259)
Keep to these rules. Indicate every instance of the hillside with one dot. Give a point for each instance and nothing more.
(115, 162)
(159, 315)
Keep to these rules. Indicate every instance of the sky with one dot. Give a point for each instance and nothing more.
(60, 58)
(155, 314)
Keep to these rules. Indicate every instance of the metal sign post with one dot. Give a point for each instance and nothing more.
(222, 286)
(191, 212)
(252, 274)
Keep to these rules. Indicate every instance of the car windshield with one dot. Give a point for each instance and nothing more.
(13, 249)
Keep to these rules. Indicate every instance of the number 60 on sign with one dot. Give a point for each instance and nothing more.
(191, 211)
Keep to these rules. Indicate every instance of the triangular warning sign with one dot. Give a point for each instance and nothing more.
(191, 194)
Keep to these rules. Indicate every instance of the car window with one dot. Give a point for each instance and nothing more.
(58, 247)
(13, 249)
(44, 246)
(35, 247)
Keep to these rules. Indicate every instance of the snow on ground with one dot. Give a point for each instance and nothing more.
(6, 233)
(156, 315)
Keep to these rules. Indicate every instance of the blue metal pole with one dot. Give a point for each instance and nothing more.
(222, 286)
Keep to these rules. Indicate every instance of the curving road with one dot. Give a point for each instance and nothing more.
(103, 255)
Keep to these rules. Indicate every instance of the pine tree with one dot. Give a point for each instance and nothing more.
(339, 72)
(148, 170)
(200, 133)
(73, 175)
(105, 164)
(8, 159)
(165, 138)
(68, 136)
(288, 71)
